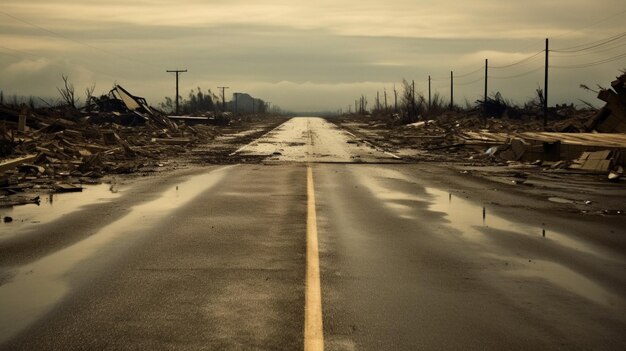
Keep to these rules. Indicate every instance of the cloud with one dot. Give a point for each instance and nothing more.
(397, 18)
(301, 53)
(27, 67)
(41, 76)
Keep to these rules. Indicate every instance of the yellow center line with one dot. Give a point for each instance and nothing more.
(313, 331)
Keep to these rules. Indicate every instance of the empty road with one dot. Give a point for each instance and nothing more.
(329, 244)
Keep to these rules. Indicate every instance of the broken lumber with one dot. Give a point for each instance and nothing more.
(11, 164)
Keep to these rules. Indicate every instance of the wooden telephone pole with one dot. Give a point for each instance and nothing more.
(178, 72)
(223, 98)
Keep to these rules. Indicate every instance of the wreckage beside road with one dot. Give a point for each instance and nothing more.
(578, 141)
(58, 149)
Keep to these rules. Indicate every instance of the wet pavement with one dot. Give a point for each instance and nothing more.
(52, 207)
(35, 288)
(410, 257)
(313, 139)
(418, 267)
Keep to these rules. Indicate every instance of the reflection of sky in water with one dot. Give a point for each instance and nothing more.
(469, 219)
(51, 207)
(311, 139)
(568, 280)
(36, 287)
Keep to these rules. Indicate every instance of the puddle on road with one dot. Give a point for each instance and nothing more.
(463, 215)
(560, 200)
(392, 199)
(312, 139)
(567, 279)
(51, 207)
(469, 218)
(37, 287)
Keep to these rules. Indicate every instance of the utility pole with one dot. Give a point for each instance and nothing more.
(545, 90)
(429, 100)
(395, 99)
(413, 102)
(385, 99)
(486, 71)
(378, 101)
(178, 72)
(356, 109)
(451, 90)
(223, 98)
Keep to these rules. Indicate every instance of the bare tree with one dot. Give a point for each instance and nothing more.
(67, 92)
(363, 107)
(412, 106)
(89, 92)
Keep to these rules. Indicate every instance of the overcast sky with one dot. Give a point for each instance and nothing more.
(308, 55)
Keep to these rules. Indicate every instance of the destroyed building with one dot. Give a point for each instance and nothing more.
(58, 149)
(574, 140)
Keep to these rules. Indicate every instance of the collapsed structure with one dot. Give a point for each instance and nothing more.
(580, 141)
(601, 148)
(60, 149)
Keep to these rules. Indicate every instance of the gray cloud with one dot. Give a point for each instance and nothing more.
(324, 53)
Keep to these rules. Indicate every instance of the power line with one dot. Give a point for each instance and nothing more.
(593, 44)
(49, 60)
(605, 19)
(519, 75)
(518, 62)
(48, 30)
(20, 51)
(436, 79)
(592, 24)
(479, 69)
(457, 76)
(591, 64)
(595, 52)
(471, 82)
(115, 54)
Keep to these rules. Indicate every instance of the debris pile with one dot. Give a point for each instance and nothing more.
(57, 151)
(497, 132)
(612, 117)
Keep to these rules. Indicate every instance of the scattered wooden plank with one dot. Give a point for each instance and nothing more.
(11, 164)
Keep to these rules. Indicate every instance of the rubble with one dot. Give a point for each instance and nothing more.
(496, 132)
(612, 117)
(58, 149)
(598, 161)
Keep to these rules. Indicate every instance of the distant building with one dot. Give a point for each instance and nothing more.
(244, 103)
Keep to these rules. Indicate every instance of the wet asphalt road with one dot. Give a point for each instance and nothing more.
(218, 261)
